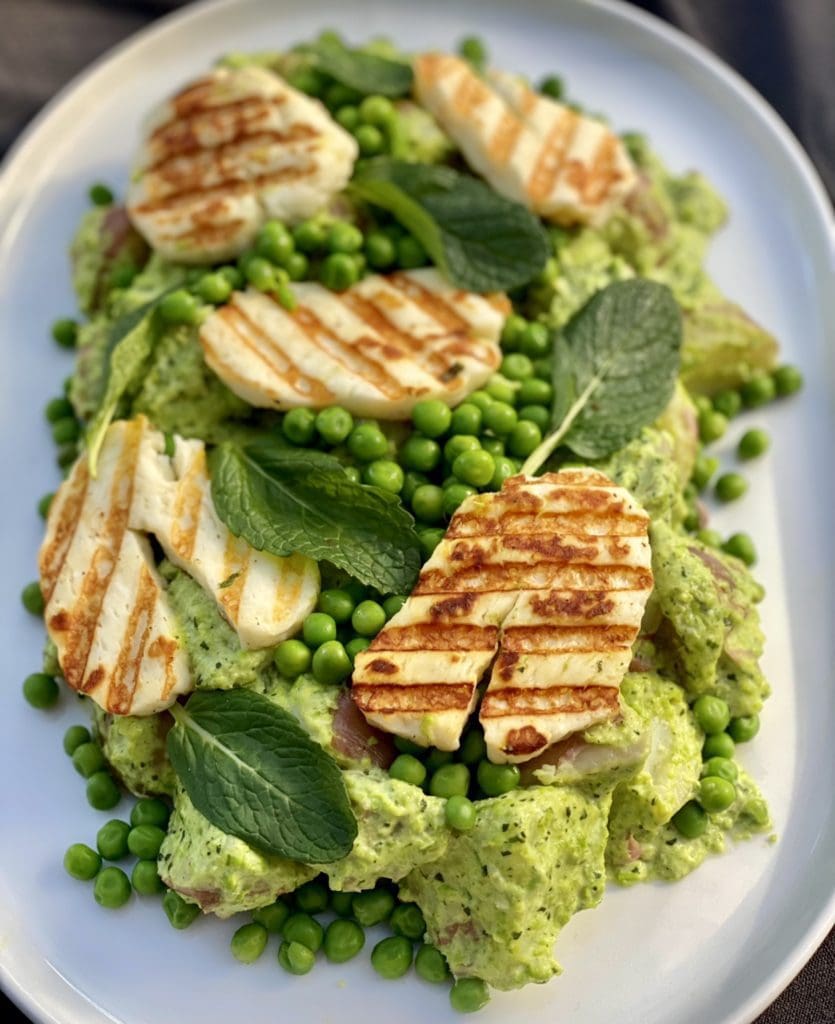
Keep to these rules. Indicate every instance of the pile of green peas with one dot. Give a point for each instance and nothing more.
(717, 791)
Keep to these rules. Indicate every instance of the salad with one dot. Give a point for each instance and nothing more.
(381, 560)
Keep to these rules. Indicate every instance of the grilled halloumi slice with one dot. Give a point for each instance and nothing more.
(376, 349)
(106, 606)
(546, 581)
(263, 597)
(226, 153)
(566, 167)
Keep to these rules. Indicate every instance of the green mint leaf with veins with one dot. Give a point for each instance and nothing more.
(253, 772)
(615, 368)
(365, 72)
(286, 500)
(480, 240)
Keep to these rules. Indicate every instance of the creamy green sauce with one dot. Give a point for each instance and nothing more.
(135, 749)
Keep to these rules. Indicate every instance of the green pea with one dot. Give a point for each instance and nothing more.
(368, 618)
(712, 714)
(274, 242)
(392, 957)
(44, 505)
(475, 468)
(431, 965)
(312, 897)
(431, 417)
(535, 341)
(331, 664)
(505, 468)
(338, 272)
(704, 469)
(691, 520)
(304, 929)
(787, 380)
(513, 331)
(296, 958)
(334, 424)
(543, 369)
(420, 453)
(66, 431)
(380, 250)
(297, 266)
(436, 759)
(496, 779)
(702, 403)
(466, 419)
(150, 811)
(40, 690)
(370, 140)
(408, 747)
(460, 443)
(385, 474)
(407, 920)
(310, 236)
(728, 403)
(87, 759)
(690, 821)
(67, 454)
(233, 276)
(372, 907)
(500, 417)
(718, 745)
(355, 646)
(367, 442)
(292, 658)
(32, 598)
(341, 904)
(353, 474)
(721, 768)
(74, 737)
(468, 995)
(308, 80)
(337, 603)
(494, 445)
(343, 940)
(481, 399)
(552, 86)
(744, 728)
(58, 409)
(100, 195)
(473, 50)
(454, 496)
(213, 288)
(428, 503)
(112, 839)
(753, 443)
(249, 942)
(178, 307)
(450, 780)
(318, 629)
(716, 794)
(711, 538)
(460, 813)
(112, 888)
(145, 878)
(473, 748)
(299, 426)
(524, 439)
(179, 913)
(429, 540)
(272, 917)
(81, 862)
(730, 487)
(344, 237)
(742, 547)
(410, 253)
(758, 391)
(517, 367)
(65, 332)
(144, 841)
(377, 110)
(712, 425)
(538, 414)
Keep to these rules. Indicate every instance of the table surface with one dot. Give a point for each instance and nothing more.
(785, 48)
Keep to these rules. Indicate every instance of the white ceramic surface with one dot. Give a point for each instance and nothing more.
(716, 947)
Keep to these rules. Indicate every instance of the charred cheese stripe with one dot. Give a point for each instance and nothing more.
(377, 349)
(568, 168)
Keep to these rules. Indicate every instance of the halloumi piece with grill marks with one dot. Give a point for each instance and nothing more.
(106, 606)
(566, 167)
(549, 577)
(228, 152)
(376, 349)
(263, 597)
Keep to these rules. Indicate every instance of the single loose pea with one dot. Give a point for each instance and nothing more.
(372, 907)
(272, 917)
(66, 431)
(460, 813)
(318, 629)
(428, 503)
(512, 332)
(150, 811)
(408, 747)
(742, 547)
(331, 663)
(274, 242)
(260, 273)
(475, 468)
(214, 288)
(32, 598)
(494, 445)
(67, 454)
(178, 307)
(524, 439)
(407, 920)
(344, 237)
(468, 995)
(379, 250)
(304, 929)
(145, 878)
(370, 140)
(233, 276)
(728, 403)
(712, 425)
(385, 474)
(353, 647)
(179, 913)
(408, 769)
(299, 426)
(310, 236)
(431, 417)
(81, 862)
(392, 957)
(337, 603)
(40, 690)
(334, 424)
(393, 604)
(367, 442)
(429, 539)
(436, 759)
(65, 332)
(718, 745)
(410, 253)
(112, 888)
(544, 369)
(368, 618)
(58, 409)
(296, 958)
(377, 110)
(758, 391)
(297, 266)
(753, 443)
(431, 965)
(112, 839)
(353, 474)
(341, 904)
(144, 841)
(690, 821)
(87, 759)
(534, 391)
(450, 780)
(421, 454)
(343, 940)
(454, 495)
(249, 942)
(716, 794)
(730, 487)
(535, 341)
(480, 398)
(711, 538)
(702, 403)
(473, 748)
(500, 417)
(712, 714)
(292, 657)
(44, 505)
(552, 86)
(505, 468)
(703, 471)
(312, 897)
(517, 367)
(744, 728)
(100, 195)
(496, 779)
(787, 380)
(338, 271)
(74, 737)
(721, 768)
(466, 419)
(538, 414)
(473, 50)
(460, 443)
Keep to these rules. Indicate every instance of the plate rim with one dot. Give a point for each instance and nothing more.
(668, 35)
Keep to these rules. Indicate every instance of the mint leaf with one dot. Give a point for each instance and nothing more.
(283, 500)
(482, 241)
(251, 769)
(365, 72)
(615, 367)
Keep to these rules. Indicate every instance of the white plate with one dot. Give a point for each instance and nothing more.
(716, 947)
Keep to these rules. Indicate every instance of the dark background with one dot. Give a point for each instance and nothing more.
(785, 48)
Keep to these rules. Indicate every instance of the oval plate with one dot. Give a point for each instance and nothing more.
(716, 947)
